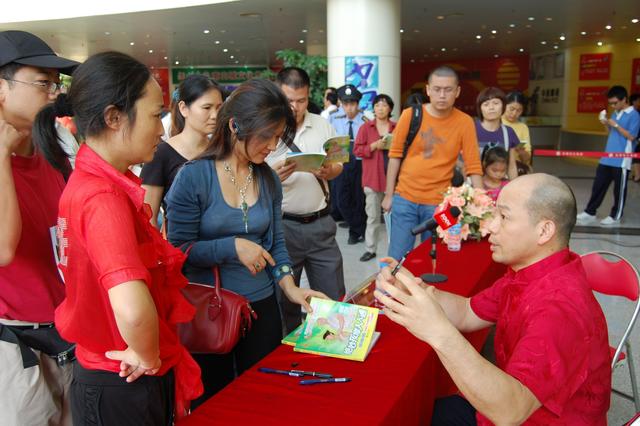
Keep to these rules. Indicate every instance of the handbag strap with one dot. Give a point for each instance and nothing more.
(327, 196)
(214, 269)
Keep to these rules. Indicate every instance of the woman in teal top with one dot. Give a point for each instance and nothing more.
(226, 206)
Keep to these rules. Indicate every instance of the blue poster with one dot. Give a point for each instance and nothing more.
(363, 72)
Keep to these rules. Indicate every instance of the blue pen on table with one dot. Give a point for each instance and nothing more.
(283, 372)
(332, 380)
(314, 374)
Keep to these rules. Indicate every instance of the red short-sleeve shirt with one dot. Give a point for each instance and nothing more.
(551, 335)
(106, 240)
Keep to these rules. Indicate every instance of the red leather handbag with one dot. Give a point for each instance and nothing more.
(221, 318)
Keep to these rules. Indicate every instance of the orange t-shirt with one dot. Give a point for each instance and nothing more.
(426, 172)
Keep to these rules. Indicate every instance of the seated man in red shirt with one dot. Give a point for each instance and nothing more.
(551, 344)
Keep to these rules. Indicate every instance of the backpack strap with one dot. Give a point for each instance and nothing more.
(414, 126)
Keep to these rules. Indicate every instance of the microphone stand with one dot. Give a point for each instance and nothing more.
(433, 277)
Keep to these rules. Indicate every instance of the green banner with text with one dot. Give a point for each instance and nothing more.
(230, 75)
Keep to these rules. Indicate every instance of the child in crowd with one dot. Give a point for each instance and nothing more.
(495, 160)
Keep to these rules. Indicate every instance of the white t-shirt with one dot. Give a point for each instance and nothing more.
(301, 192)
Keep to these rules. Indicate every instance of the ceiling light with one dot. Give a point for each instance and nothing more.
(496, 56)
(177, 62)
(412, 60)
(231, 57)
(478, 36)
(401, 30)
(608, 27)
(217, 42)
(225, 50)
(634, 21)
(583, 33)
(531, 18)
(509, 32)
(206, 31)
(222, 31)
(543, 42)
(555, 47)
(440, 17)
(237, 62)
(107, 33)
(165, 58)
(512, 25)
(304, 31)
(521, 49)
(599, 43)
(416, 30)
(494, 32)
(150, 50)
(528, 26)
(301, 41)
(638, 39)
(444, 49)
(131, 44)
(563, 38)
(548, 18)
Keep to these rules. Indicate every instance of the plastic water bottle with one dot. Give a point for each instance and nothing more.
(455, 239)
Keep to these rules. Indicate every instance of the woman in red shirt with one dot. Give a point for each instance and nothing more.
(371, 146)
(122, 279)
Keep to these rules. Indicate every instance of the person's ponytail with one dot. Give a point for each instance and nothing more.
(45, 135)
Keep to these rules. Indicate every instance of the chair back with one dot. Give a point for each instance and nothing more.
(617, 277)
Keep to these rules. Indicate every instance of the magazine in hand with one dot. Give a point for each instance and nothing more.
(387, 140)
(337, 329)
(336, 151)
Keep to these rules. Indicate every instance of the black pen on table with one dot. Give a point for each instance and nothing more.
(313, 373)
(283, 372)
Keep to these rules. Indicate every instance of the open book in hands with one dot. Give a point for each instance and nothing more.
(336, 150)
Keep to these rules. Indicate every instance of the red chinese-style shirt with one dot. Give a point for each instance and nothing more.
(106, 240)
(551, 335)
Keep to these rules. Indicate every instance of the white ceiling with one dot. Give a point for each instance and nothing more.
(277, 24)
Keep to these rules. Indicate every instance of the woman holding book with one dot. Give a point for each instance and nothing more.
(225, 207)
(193, 120)
(490, 106)
(372, 147)
(516, 102)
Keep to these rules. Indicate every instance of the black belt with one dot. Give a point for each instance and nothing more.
(307, 218)
(32, 327)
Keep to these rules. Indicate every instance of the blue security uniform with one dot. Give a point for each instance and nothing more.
(347, 187)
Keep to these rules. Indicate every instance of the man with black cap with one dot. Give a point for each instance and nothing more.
(36, 372)
(348, 186)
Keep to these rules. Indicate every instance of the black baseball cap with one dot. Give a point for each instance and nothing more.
(24, 48)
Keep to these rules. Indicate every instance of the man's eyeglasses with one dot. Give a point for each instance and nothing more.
(49, 86)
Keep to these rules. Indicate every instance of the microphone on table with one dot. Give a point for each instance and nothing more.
(445, 218)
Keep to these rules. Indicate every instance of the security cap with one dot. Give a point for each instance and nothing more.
(349, 93)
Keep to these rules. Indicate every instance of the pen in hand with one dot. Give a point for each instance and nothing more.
(398, 266)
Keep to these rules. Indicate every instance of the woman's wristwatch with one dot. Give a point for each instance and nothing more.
(281, 271)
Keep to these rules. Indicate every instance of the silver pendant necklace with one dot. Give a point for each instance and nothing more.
(242, 191)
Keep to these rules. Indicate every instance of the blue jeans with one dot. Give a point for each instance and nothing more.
(404, 216)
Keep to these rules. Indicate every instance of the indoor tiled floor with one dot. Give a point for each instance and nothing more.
(623, 240)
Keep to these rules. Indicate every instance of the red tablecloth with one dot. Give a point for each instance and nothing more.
(396, 385)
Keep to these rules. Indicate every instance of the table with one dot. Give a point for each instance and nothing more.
(396, 385)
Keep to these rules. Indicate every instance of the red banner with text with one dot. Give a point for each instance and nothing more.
(595, 66)
(592, 99)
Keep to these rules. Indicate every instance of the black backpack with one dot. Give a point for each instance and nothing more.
(414, 126)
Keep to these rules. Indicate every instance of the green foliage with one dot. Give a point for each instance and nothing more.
(314, 65)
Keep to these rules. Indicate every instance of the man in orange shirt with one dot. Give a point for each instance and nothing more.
(426, 171)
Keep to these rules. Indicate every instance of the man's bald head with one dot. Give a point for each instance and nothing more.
(549, 198)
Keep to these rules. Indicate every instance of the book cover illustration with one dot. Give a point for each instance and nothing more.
(306, 161)
(338, 329)
(291, 338)
(337, 149)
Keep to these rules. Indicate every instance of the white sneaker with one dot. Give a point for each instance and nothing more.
(609, 221)
(585, 218)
